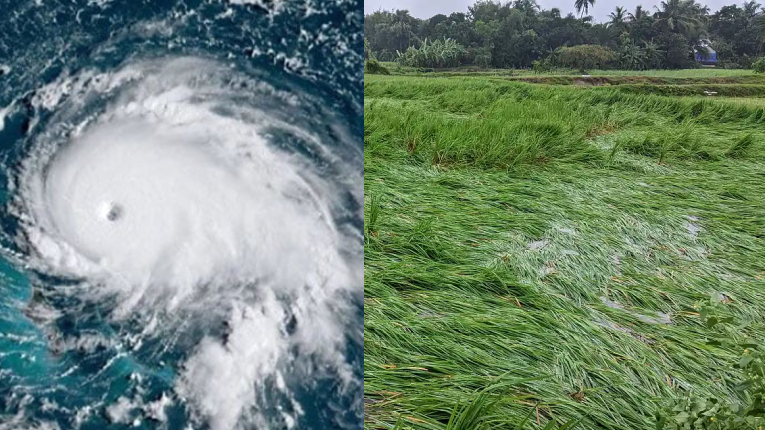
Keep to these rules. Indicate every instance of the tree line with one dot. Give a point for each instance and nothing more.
(520, 34)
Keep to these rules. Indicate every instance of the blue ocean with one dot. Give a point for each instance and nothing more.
(181, 214)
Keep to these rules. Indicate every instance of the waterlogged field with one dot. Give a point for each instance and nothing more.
(539, 254)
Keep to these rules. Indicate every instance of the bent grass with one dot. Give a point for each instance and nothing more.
(513, 242)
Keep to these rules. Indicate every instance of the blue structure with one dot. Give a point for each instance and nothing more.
(708, 58)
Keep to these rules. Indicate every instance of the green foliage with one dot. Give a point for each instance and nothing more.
(368, 54)
(585, 57)
(652, 55)
(759, 65)
(541, 66)
(583, 6)
(632, 55)
(515, 34)
(436, 54)
(737, 32)
(386, 55)
(373, 215)
(712, 413)
(375, 68)
(678, 53)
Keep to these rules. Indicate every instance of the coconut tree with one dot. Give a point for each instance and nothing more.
(685, 17)
(755, 15)
(638, 15)
(603, 35)
(682, 19)
(639, 24)
(583, 6)
(617, 18)
(653, 55)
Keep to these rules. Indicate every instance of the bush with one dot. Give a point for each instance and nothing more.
(374, 68)
(386, 55)
(541, 66)
(585, 57)
(746, 61)
(759, 65)
(436, 54)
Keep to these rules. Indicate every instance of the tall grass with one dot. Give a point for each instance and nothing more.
(721, 90)
(490, 124)
(522, 231)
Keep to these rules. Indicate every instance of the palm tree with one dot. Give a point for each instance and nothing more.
(652, 55)
(760, 25)
(617, 18)
(751, 9)
(639, 14)
(639, 24)
(583, 5)
(755, 14)
(552, 55)
(685, 17)
(603, 35)
(399, 30)
(631, 56)
(402, 34)
(526, 6)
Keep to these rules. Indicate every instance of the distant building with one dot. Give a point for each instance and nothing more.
(707, 56)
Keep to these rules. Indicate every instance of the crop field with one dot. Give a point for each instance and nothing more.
(714, 83)
(746, 101)
(396, 68)
(540, 254)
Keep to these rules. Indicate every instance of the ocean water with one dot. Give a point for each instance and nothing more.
(180, 214)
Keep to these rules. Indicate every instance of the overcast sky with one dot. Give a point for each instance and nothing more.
(428, 8)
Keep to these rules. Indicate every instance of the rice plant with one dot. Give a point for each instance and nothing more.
(555, 231)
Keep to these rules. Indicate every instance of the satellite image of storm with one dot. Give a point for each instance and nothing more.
(181, 221)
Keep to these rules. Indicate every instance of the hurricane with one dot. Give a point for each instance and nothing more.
(181, 221)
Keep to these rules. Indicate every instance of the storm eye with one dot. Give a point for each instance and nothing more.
(113, 211)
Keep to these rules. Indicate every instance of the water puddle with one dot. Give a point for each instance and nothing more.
(616, 327)
(538, 244)
(692, 228)
(659, 318)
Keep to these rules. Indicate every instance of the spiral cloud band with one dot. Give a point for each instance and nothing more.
(193, 195)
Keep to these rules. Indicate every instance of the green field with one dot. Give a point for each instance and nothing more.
(751, 102)
(556, 244)
(660, 73)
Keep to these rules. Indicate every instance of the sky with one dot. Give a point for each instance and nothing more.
(427, 8)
